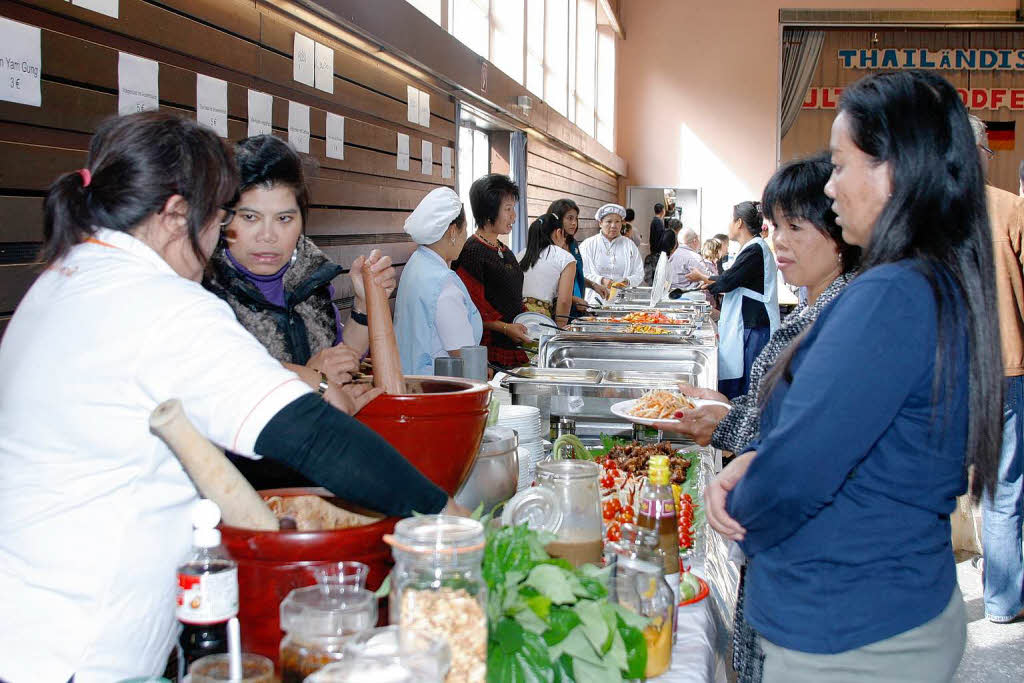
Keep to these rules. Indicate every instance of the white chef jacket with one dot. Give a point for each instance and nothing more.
(541, 280)
(95, 513)
(618, 259)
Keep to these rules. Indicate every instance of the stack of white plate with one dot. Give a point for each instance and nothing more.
(527, 423)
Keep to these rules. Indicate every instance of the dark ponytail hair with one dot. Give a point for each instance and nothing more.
(539, 238)
(136, 163)
(916, 123)
(750, 214)
(267, 161)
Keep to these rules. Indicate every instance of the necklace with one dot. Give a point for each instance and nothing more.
(499, 246)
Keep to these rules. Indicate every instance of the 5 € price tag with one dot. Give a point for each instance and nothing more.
(21, 63)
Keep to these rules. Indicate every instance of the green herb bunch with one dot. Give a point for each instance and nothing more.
(549, 622)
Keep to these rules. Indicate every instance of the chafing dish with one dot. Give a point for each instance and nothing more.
(602, 326)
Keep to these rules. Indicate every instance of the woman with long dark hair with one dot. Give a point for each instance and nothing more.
(568, 212)
(549, 270)
(843, 501)
(750, 303)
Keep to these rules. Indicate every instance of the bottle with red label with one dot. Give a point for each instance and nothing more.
(657, 511)
(207, 590)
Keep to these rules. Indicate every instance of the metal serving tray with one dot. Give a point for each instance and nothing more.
(598, 327)
(554, 375)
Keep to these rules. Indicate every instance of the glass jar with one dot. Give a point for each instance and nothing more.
(389, 655)
(566, 502)
(317, 620)
(437, 587)
(638, 583)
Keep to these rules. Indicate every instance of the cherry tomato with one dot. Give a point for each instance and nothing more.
(614, 532)
(627, 515)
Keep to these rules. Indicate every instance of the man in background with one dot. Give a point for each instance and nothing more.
(686, 258)
(657, 227)
(1003, 512)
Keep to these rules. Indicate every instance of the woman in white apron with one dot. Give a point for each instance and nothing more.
(750, 305)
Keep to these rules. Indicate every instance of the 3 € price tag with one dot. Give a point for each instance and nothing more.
(21, 63)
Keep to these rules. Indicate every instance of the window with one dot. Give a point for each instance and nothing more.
(474, 161)
(535, 47)
(556, 56)
(507, 19)
(606, 87)
(471, 24)
(586, 58)
(432, 8)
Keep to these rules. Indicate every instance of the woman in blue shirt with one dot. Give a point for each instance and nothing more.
(843, 501)
(569, 213)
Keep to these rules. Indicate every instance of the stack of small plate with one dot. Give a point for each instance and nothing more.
(527, 423)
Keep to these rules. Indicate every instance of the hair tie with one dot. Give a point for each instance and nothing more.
(86, 176)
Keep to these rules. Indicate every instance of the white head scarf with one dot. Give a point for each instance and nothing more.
(438, 210)
(609, 208)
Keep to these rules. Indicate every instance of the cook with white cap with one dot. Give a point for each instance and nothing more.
(434, 314)
(608, 257)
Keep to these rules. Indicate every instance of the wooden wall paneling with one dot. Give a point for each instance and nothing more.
(539, 162)
(569, 161)
(15, 279)
(150, 23)
(278, 34)
(560, 183)
(30, 167)
(21, 219)
(366, 194)
(328, 221)
(234, 16)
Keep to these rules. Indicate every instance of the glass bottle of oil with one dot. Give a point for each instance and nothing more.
(657, 512)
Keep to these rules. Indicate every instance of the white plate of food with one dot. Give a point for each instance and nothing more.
(659, 405)
(537, 324)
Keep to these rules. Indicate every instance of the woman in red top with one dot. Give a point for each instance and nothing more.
(490, 271)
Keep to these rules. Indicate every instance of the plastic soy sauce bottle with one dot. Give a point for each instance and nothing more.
(658, 513)
(207, 590)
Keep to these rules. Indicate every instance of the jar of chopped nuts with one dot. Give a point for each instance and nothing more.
(437, 587)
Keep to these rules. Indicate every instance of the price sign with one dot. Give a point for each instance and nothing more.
(108, 7)
(446, 162)
(413, 113)
(335, 136)
(298, 126)
(303, 60)
(426, 158)
(261, 113)
(324, 57)
(424, 109)
(137, 83)
(21, 64)
(403, 152)
(212, 103)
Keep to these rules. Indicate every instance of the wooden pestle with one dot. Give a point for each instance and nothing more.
(210, 470)
(387, 365)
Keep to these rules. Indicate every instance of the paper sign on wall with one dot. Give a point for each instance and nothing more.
(424, 109)
(108, 7)
(212, 103)
(413, 114)
(335, 136)
(446, 162)
(298, 126)
(403, 152)
(138, 82)
(261, 113)
(427, 158)
(303, 56)
(324, 59)
(21, 64)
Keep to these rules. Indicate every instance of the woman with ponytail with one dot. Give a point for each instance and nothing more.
(871, 418)
(750, 305)
(95, 513)
(549, 270)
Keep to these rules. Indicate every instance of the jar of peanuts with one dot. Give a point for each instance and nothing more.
(437, 587)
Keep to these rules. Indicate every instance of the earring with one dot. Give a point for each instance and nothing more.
(295, 256)
(453, 240)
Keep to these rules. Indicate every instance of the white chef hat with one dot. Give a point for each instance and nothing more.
(435, 213)
(609, 208)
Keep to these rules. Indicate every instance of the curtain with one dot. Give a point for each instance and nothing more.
(517, 156)
(800, 52)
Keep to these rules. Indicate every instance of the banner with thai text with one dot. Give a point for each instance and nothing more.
(951, 59)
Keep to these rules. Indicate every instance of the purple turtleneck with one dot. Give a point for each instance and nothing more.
(272, 289)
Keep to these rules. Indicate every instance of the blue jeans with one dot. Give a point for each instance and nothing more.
(754, 341)
(1003, 514)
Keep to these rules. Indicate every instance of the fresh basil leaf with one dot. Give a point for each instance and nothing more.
(509, 635)
(553, 582)
(636, 649)
(593, 624)
(535, 659)
(561, 621)
(576, 646)
(539, 605)
(596, 673)
(530, 622)
(564, 670)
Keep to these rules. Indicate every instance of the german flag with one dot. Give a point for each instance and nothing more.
(1001, 134)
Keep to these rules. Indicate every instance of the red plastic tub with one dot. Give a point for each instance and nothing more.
(273, 563)
(438, 427)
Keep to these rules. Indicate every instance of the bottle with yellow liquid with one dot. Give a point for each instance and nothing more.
(638, 584)
(657, 512)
